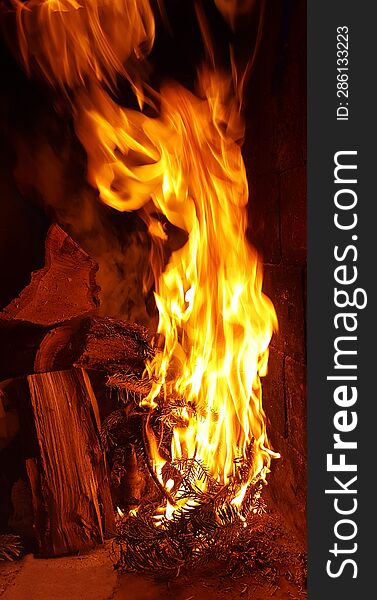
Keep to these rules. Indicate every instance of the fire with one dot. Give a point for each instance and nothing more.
(215, 321)
(70, 41)
(232, 9)
(214, 318)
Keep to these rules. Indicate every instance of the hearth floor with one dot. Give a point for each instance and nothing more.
(92, 577)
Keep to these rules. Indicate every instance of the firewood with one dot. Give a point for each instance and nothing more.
(111, 345)
(64, 289)
(53, 343)
(69, 482)
(97, 343)
(53, 324)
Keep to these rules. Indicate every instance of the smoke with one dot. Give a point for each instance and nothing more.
(50, 170)
(70, 46)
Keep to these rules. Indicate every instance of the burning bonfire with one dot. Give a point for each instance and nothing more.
(194, 419)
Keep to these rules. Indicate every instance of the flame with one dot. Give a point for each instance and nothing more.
(214, 318)
(215, 321)
(232, 9)
(71, 40)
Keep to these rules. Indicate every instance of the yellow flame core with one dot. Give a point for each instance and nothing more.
(215, 322)
(214, 318)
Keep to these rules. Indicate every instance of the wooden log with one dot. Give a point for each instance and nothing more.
(53, 325)
(112, 345)
(70, 488)
(64, 289)
(96, 343)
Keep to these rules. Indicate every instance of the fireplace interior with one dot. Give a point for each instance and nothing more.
(79, 324)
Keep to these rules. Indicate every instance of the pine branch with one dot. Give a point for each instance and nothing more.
(10, 547)
(204, 524)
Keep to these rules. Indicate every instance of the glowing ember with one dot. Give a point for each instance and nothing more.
(215, 322)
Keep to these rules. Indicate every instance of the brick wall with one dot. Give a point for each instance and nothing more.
(275, 155)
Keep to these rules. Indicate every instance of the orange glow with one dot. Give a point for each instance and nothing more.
(71, 40)
(231, 9)
(214, 320)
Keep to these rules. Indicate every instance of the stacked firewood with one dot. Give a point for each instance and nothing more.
(75, 435)
(52, 342)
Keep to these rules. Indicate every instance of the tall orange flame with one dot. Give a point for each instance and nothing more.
(70, 41)
(213, 317)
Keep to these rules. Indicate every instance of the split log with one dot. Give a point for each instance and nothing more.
(70, 488)
(53, 325)
(111, 345)
(97, 343)
(64, 289)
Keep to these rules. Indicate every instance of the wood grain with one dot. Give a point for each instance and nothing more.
(70, 488)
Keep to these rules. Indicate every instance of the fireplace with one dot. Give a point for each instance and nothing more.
(101, 349)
